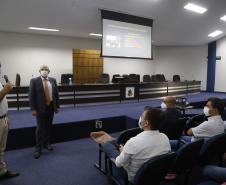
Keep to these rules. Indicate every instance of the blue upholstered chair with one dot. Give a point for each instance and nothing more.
(187, 156)
(127, 134)
(151, 172)
(209, 183)
(121, 139)
(193, 122)
(176, 129)
(213, 147)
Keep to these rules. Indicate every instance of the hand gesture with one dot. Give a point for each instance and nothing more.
(8, 87)
(121, 148)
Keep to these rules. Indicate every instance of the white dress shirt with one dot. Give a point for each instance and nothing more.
(208, 129)
(49, 86)
(140, 149)
(3, 104)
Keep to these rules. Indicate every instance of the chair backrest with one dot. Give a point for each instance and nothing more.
(133, 78)
(160, 78)
(126, 77)
(187, 156)
(176, 129)
(153, 78)
(212, 148)
(176, 78)
(154, 170)
(163, 78)
(65, 78)
(146, 78)
(223, 143)
(17, 83)
(104, 78)
(127, 134)
(194, 121)
(115, 80)
(138, 77)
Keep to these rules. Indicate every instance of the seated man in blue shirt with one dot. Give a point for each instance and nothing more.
(141, 148)
(214, 125)
(172, 114)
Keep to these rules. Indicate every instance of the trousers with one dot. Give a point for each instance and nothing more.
(44, 125)
(215, 173)
(3, 140)
(112, 151)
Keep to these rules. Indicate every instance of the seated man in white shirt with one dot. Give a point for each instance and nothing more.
(144, 146)
(214, 125)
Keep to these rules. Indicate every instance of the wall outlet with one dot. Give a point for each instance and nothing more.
(98, 124)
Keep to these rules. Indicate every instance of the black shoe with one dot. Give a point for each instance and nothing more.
(37, 154)
(9, 174)
(48, 147)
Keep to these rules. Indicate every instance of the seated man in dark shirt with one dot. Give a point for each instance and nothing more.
(172, 114)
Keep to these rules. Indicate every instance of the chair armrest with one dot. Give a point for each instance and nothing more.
(120, 169)
(180, 141)
(112, 160)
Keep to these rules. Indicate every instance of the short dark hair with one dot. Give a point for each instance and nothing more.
(217, 103)
(155, 117)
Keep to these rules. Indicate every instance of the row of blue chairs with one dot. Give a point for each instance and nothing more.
(178, 162)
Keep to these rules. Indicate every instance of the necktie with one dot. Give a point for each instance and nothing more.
(47, 92)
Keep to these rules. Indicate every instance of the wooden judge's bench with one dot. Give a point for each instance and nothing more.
(107, 93)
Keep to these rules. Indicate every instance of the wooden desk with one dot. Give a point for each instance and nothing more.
(72, 95)
(184, 109)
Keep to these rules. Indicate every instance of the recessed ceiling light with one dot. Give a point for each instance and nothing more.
(214, 34)
(95, 34)
(223, 18)
(43, 29)
(195, 8)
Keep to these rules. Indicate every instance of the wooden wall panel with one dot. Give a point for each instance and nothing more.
(87, 66)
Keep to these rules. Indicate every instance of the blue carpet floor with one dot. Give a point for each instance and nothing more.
(23, 118)
(71, 163)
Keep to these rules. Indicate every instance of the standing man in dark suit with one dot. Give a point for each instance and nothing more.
(44, 101)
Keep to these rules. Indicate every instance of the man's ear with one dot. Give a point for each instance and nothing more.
(147, 123)
(217, 110)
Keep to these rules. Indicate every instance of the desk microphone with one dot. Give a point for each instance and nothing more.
(6, 78)
(184, 78)
(193, 77)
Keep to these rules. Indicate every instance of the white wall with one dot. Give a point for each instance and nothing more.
(128, 66)
(188, 62)
(25, 53)
(220, 85)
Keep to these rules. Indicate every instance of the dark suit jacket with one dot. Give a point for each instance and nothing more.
(171, 116)
(37, 97)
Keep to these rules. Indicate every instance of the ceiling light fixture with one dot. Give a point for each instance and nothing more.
(96, 34)
(214, 34)
(43, 29)
(195, 8)
(223, 18)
